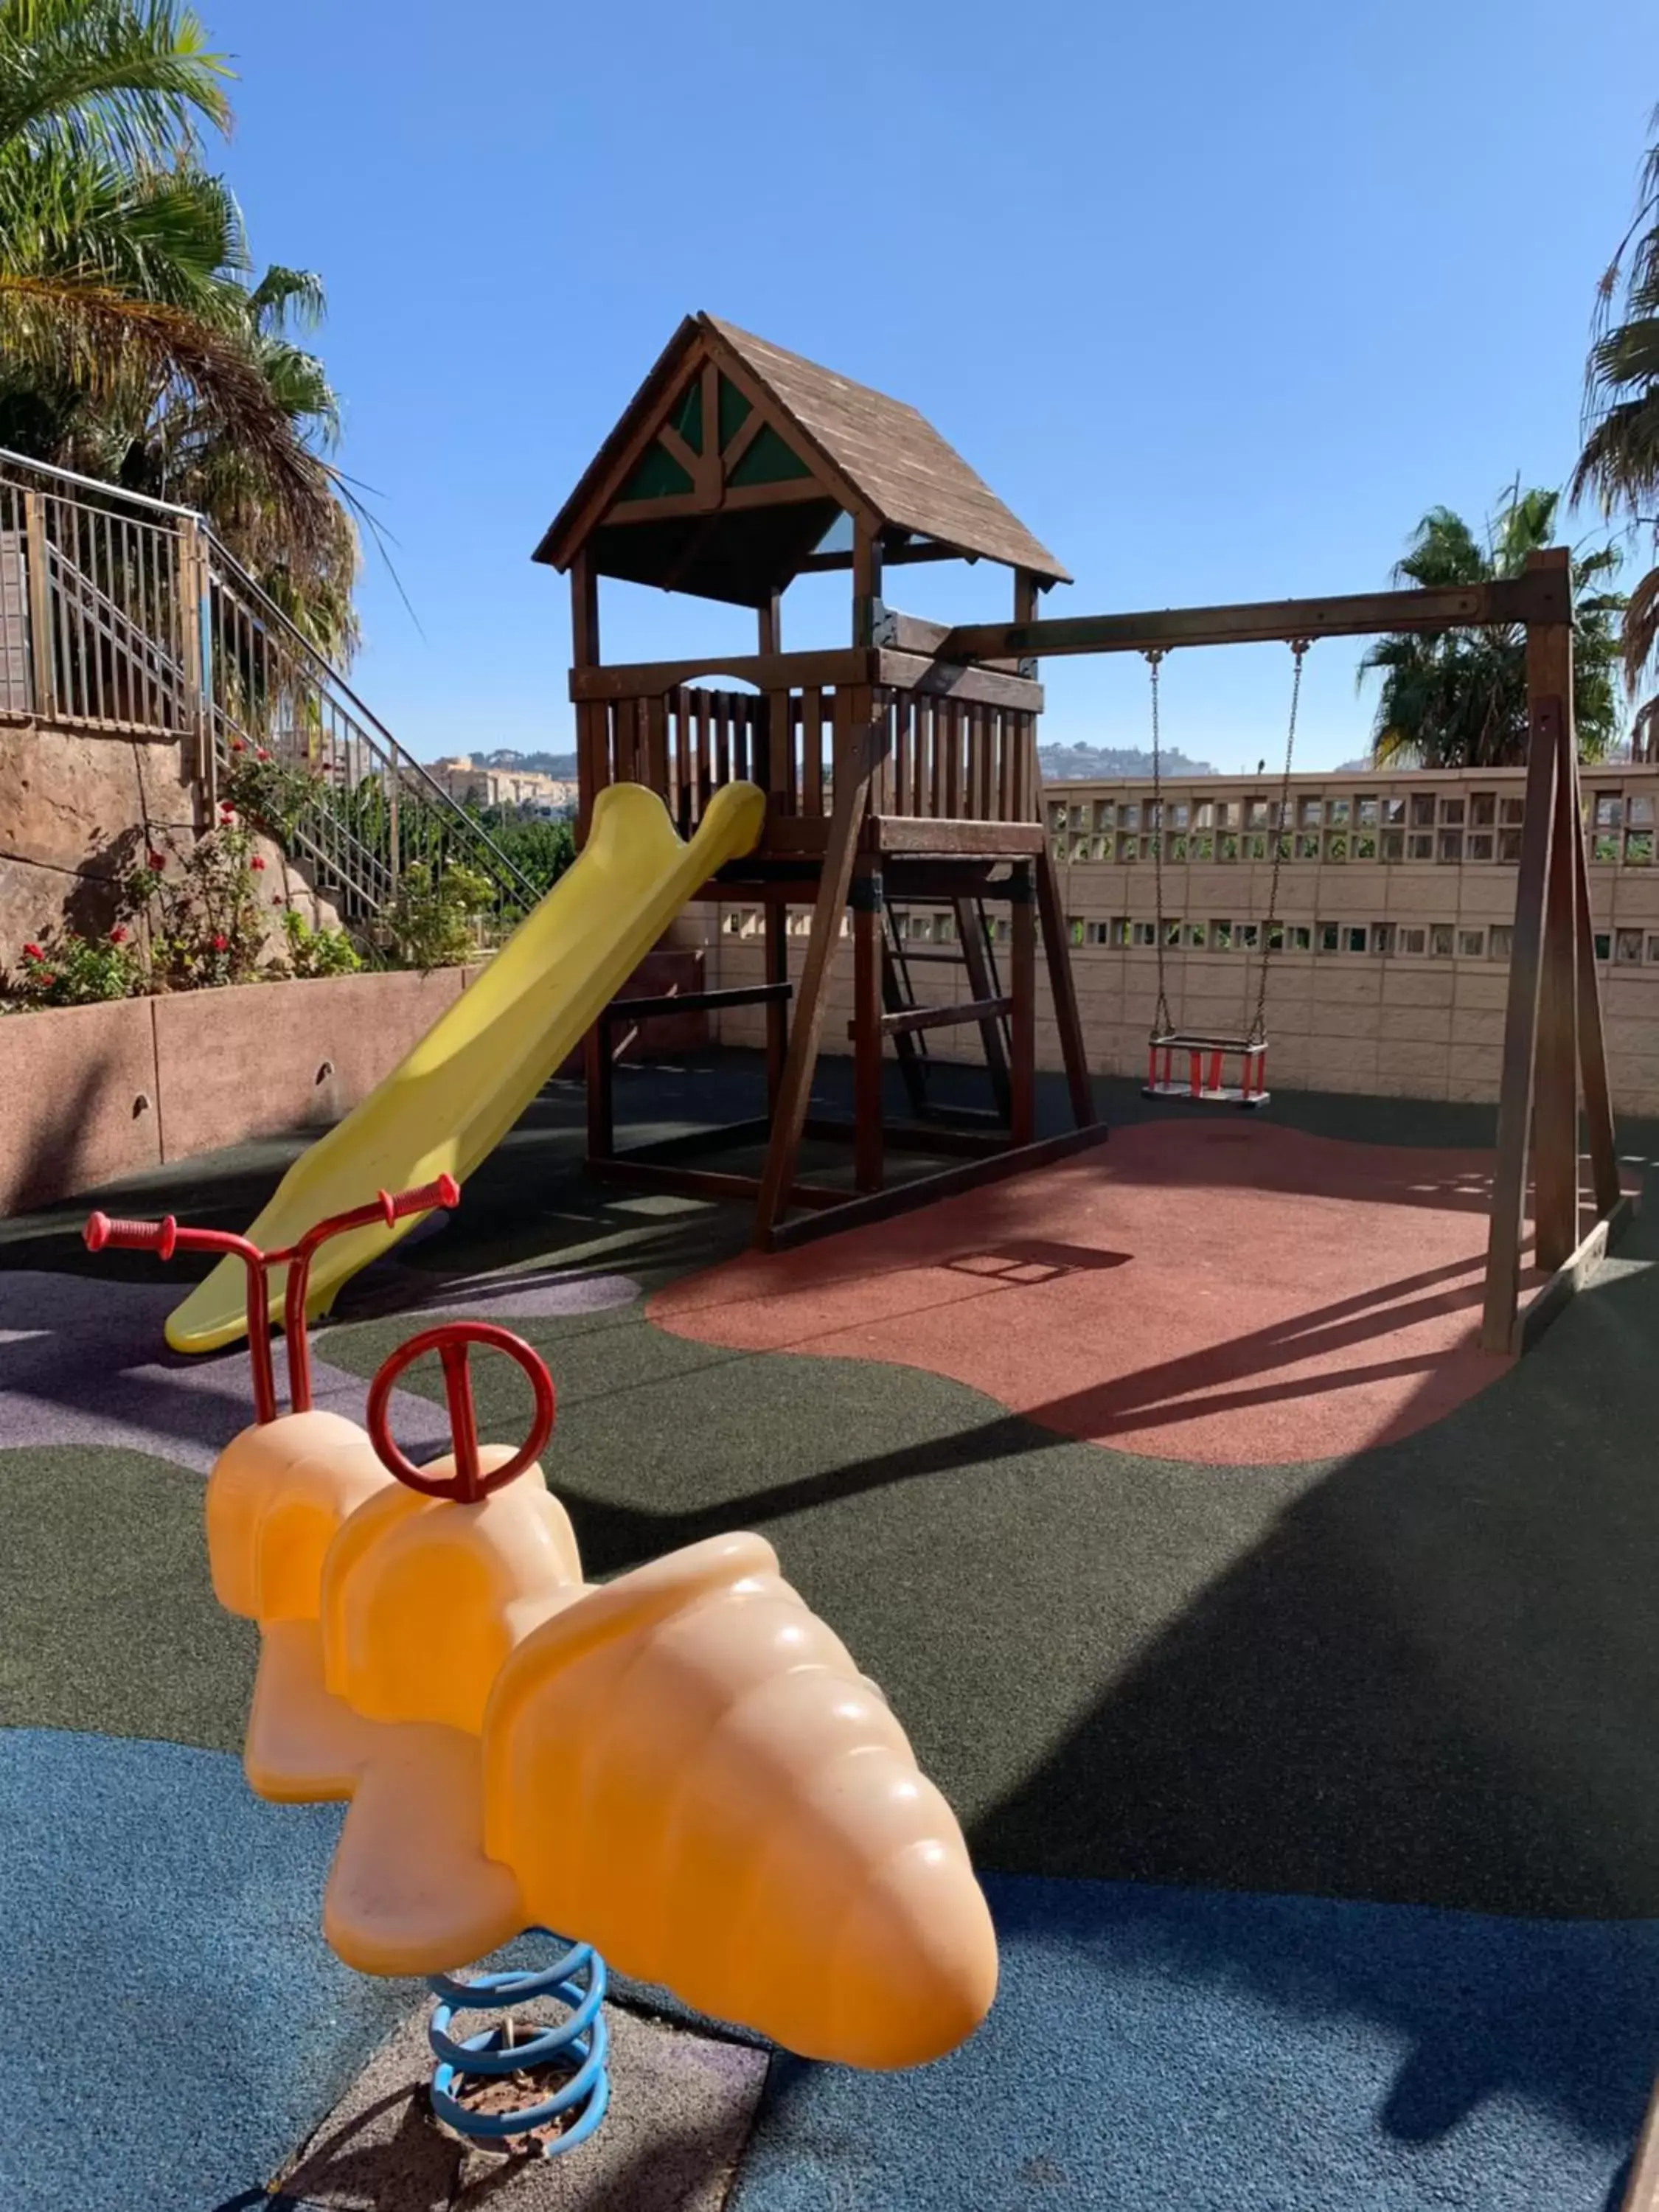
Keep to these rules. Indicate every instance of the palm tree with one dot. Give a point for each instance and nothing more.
(132, 344)
(1620, 460)
(169, 443)
(1459, 700)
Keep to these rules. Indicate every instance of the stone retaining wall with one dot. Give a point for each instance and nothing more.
(91, 1094)
(78, 813)
(94, 1093)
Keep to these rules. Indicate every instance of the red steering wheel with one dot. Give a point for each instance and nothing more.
(451, 1342)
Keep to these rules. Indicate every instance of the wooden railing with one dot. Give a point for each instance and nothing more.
(945, 759)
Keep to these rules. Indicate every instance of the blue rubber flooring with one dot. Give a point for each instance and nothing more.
(177, 2023)
(1193, 2049)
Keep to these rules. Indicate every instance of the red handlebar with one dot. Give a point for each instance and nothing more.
(160, 1236)
(445, 1192)
(165, 1237)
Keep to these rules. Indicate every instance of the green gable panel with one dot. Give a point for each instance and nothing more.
(688, 416)
(734, 411)
(768, 460)
(657, 475)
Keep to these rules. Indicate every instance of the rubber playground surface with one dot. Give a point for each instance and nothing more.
(1290, 1667)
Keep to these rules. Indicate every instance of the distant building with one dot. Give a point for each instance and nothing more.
(527, 788)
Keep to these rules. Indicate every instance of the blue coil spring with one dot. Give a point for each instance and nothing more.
(580, 2044)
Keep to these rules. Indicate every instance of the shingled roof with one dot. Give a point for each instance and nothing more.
(870, 455)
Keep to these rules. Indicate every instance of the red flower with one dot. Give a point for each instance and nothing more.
(238, 745)
(117, 935)
(44, 978)
(32, 952)
(220, 942)
(257, 863)
(261, 754)
(227, 811)
(156, 859)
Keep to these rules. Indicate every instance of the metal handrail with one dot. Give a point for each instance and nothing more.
(10, 459)
(271, 612)
(286, 661)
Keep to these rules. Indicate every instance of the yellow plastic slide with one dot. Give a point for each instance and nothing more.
(463, 1087)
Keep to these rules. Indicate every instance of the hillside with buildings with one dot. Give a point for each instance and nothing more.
(1103, 763)
(508, 780)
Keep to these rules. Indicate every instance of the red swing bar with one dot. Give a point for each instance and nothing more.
(1205, 1082)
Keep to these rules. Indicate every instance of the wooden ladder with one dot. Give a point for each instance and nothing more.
(973, 951)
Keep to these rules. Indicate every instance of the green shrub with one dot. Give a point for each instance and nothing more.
(541, 849)
(429, 923)
(321, 952)
(67, 970)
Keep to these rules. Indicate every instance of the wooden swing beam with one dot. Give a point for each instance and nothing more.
(1540, 596)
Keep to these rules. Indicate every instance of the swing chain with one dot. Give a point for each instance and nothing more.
(1161, 1021)
(1281, 837)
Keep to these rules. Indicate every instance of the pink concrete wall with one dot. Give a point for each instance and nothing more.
(77, 1100)
(236, 1064)
(91, 1094)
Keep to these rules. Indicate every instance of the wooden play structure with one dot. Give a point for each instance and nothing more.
(892, 773)
(904, 766)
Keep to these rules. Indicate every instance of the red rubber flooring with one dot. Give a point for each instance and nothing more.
(1223, 1291)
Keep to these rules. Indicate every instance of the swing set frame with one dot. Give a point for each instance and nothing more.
(1554, 1054)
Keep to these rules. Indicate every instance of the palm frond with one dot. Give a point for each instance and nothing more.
(282, 295)
(172, 236)
(96, 338)
(1524, 525)
(1641, 630)
(1459, 700)
(126, 78)
(1442, 550)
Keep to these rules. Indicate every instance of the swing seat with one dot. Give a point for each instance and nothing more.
(1207, 1063)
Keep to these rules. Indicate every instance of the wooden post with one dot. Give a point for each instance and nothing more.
(866, 1030)
(1022, 986)
(866, 583)
(591, 773)
(39, 592)
(1508, 1189)
(778, 707)
(777, 1010)
(599, 1073)
(858, 742)
(589, 715)
(1051, 905)
(1592, 1048)
(1555, 1133)
(1057, 951)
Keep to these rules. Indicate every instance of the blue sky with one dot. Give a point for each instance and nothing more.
(1219, 299)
